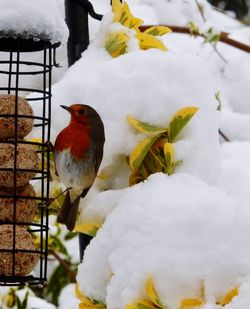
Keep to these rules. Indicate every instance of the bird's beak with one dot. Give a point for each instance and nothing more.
(66, 107)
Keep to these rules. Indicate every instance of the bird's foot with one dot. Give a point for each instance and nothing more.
(50, 146)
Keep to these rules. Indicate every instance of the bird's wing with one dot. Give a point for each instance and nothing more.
(98, 154)
(85, 191)
(68, 212)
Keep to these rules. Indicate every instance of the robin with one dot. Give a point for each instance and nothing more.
(78, 154)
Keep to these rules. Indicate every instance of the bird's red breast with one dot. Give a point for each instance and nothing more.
(76, 138)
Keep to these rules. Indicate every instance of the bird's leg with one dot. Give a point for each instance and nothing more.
(52, 199)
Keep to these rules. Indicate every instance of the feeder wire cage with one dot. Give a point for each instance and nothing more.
(16, 71)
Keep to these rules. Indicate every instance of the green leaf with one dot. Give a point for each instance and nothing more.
(193, 28)
(22, 304)
(144, 127)
(57, 282)
(56, 244)
(179, 121)
(25, 301)
(218, 99)
(137, 156)
(212, 36)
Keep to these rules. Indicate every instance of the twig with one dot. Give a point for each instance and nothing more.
(65, 265)
(204, 19)
(224, 136)
(200, 10)
(223, 36)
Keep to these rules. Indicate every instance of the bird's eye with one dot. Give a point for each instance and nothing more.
(82, 112)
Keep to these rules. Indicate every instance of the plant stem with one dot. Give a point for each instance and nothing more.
(223, 36)
(64, 264)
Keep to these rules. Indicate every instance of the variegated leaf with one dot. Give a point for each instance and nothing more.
(116, 44)
(141, 304)
(147, 41)
(116, 9)
(151, 293)
(87, 228)
(179, 121)
(169, 157)
(158, 30)
(144, 127)
(137, 156)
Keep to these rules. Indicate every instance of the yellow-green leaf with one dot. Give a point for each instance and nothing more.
(179, 121)
(135, 23)
(137, 156)
(141, 304)
(147, 41)
(169, 157)
(116, 43)
(92, 306)
(83, 299)
(158, 30)
(116, 9)
(189, 303)
(87, 303)
(57, 197)
(193, 28)
(144, 127)
(151, 293)
(87, 228)
(127, 19)
(228, 297)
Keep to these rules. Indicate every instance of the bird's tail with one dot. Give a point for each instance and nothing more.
(68, 212)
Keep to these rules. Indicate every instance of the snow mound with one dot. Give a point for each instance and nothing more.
(40, 20)
(178, 230)
(235, 175)
(150, 86)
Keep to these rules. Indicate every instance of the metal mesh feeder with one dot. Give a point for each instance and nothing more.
(24, 163)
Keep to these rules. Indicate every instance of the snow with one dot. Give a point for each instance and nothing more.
(182, 230)
(178, 230)
(68, 299)
(191, 227)
(235, 176)
(40, 20)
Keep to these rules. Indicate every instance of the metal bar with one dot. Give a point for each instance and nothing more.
(48, 159)
(10, 71)
(76, 17)
(15, 164)
(90, 9)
